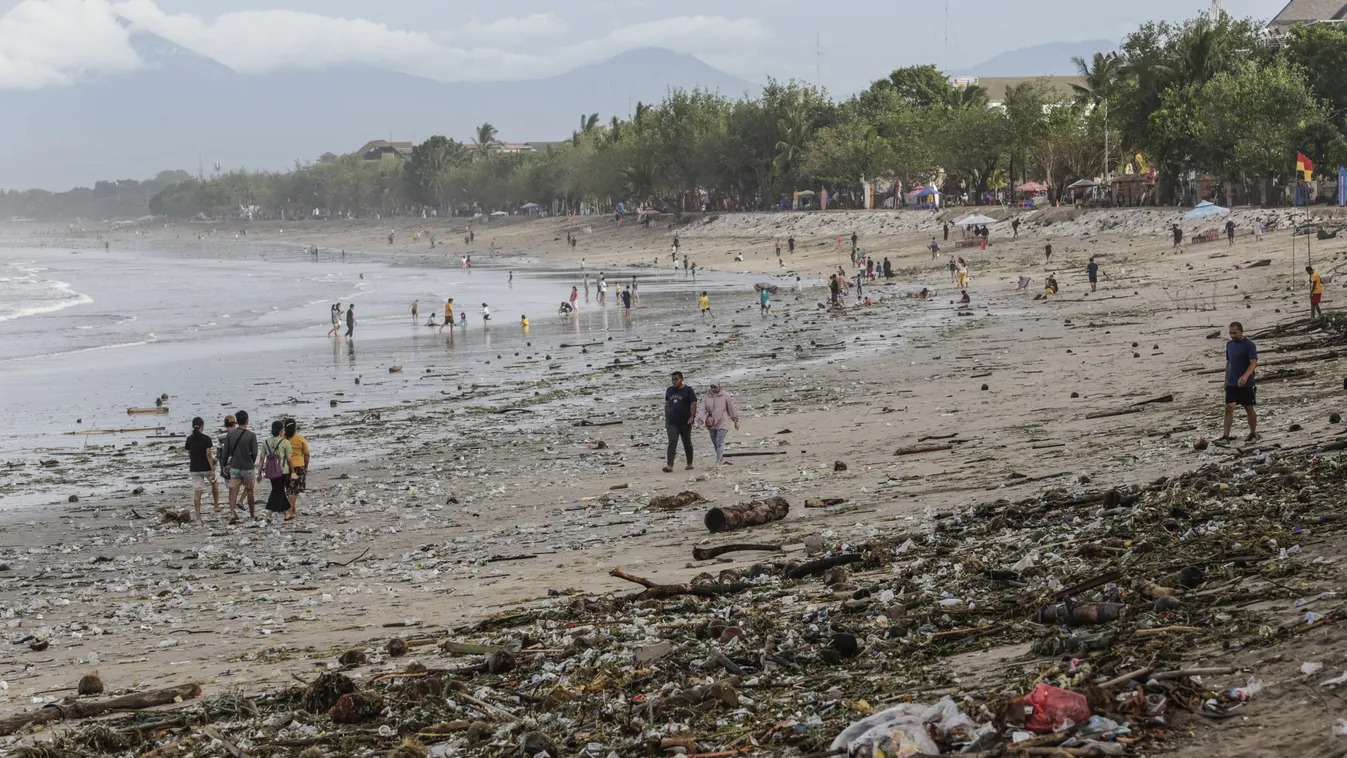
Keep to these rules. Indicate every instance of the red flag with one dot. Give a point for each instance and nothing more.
(1305, 166)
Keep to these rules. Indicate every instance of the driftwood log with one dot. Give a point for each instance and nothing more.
(653, 590)
(758, 512)
(707, 553)
(918, 449)
(823, 564)
(63, 711)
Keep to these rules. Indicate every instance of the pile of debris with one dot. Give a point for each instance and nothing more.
(1100, 599)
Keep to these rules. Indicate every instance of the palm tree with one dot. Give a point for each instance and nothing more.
(1100, 78)
(615, 130)
(486, 137)
(972, 96)
(641, 178)
(641, 110)
(794, 130)
(588, 123)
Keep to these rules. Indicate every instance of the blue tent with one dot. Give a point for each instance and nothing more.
(1206, 209)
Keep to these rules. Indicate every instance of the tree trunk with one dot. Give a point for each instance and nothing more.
(758, 512)
(83, 709)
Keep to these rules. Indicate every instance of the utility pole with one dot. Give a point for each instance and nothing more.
(946, 35)
(818, 61)
(1106, 147)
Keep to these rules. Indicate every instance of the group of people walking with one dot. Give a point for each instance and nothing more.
(235, 457)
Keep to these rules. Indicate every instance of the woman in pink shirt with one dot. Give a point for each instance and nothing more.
(719, 412)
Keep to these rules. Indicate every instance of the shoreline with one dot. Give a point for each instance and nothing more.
(526, 485)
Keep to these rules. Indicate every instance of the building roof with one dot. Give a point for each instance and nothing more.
(382, 144)
(996, 86)
(1308, 12)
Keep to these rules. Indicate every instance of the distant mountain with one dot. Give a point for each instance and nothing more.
(1052, 59)
(181, 108)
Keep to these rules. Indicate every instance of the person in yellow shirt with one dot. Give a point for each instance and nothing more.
(704, 303)
(524, 322)
(299, 465)
(448, 315)
(1316, 292)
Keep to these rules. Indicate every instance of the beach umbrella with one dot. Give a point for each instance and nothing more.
(976, 219)
(529, 206)
(1032, 187)
(500, 213)
(1206, 209)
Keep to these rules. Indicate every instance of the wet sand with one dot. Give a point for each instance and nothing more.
(468, 508)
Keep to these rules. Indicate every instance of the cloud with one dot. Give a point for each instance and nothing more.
(53, 42)
(261, 41)
(50, 42)
(512, 29)
(685, 34)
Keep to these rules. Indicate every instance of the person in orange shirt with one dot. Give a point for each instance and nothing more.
(1316, 292)
(299, 465)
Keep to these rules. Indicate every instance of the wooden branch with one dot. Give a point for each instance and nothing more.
(707, 553)
(918, 449)
(653, 590)
(1107, 414)
(63, 711)
(813, 568)
(1161, 399)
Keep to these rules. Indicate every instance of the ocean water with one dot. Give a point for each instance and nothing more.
(219, 325)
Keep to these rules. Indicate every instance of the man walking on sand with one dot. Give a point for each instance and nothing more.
(1092, 270)
(1316, 292)
(718, 413)
(790, 243)
(1015, 228)
(935, 248)
(448, 316)
(241, 451)
(1230, 232)
(201, 467)
(704, 305)
(680, 408)
(1047, 253)
(350, 323)
(1241, 363)
(1178, 238)
(416, 305)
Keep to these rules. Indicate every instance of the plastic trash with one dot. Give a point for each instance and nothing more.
(1310, 668)
(1340, 728)
(904, 731)
(1249, 690)
(1335, 681)
(1053, 708)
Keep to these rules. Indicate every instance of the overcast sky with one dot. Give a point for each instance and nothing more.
(51, 42)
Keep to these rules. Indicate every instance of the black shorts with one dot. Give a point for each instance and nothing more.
(1094, 279)
(1246, 396)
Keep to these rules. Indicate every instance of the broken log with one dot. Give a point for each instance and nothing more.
(918, 449)
(756, 513)
(949, 436)
(823, 564)
(707, 553)
(749, 455)
(1161, 399)
(1107, 414)
(160, 411)
(587, 422)
(63, 711)
(653, 590)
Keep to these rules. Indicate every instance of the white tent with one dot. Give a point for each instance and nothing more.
(976, 219)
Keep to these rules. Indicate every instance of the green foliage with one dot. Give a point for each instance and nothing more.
(1207, 95)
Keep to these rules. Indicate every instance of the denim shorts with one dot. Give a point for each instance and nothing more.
(243, 474)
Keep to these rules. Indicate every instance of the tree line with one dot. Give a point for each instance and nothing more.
(1210, 96)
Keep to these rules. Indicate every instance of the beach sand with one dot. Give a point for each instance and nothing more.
(513, 503)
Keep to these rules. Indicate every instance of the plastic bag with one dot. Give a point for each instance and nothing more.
(1053, 707)
(903, 731)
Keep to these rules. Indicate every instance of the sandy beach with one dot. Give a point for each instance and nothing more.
(523, 492)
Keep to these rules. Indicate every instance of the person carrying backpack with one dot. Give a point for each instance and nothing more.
(276, 452)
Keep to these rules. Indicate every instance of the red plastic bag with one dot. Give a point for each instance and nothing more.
(1053, 707)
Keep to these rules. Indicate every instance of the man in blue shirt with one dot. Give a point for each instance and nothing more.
(680, 408)
(1241, 362)
(1092, 271)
